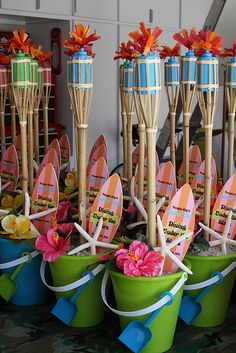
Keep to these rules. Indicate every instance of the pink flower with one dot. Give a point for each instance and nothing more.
(64, 210)
(138, 260)
(65, 228)
(52, 244)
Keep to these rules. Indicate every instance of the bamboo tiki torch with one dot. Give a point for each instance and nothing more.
(3, 97)
(21, 84)
(37, 101)
(47, 84)
(207, 93)
(148, 88)
(187, 92)
(12, 106)
(124, 122)
(230, 87)
(128, 97)
(34, 81)
(80, 86)
(172, 92)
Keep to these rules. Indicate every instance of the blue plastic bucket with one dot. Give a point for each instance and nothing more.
(30, 288)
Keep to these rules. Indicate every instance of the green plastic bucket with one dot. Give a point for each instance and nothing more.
(90, 306)
(135, 293)
(215, 303)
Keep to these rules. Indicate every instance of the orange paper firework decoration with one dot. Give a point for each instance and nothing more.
(145, 41)
(230, 51)
(39, 54)
(167, 51)
(127, 51)
(4, 59)
(207, 40)
(20, 41)
(80, 39)
(186, 39)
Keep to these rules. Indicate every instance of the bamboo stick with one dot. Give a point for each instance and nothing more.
(208, 177)
(124, 122)
(222, 167)
(3, 137)
(13, 122)
(231, 144)
(129, 149)
(172, 138)
(82, 146)
(36, 135)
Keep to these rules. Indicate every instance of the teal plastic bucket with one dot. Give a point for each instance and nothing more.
(30, 288)
(215, 303)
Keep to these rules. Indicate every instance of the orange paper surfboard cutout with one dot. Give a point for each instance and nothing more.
(197, 185)
(179, 219)
(9, 168)
(225, 202)
(50, 157)
(101, 151)
(65, 152)
(195, 161)
(55, 144)
(95, 180)
(45, 195)
(165, 185)
(108, 204)
(100, 141)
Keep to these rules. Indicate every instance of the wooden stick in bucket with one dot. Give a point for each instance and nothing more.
(37, 100)
(21, 84)
(3, 96)
(207, 92)
(124, 122)
(47, 84)
(172, 92)
(187, 92)
(148, 89)
(12, 106)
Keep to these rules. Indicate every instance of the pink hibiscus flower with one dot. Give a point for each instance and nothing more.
(138, 260)
(64, 210)
(52, 244)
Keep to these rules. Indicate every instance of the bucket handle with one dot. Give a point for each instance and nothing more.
(19, 261)
(163, 301)
(212, 280)
(73, 285)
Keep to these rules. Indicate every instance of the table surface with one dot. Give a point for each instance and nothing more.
(34, 330)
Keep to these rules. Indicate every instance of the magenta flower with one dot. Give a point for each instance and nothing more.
(64, 211)
(138, 260)
(52, 244)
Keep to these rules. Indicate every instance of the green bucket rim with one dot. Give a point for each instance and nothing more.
(150, 279)
(209, 257)
(81, 257)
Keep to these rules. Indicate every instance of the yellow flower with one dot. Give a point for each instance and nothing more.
(17, 227)
(71, 179)
(10, 203)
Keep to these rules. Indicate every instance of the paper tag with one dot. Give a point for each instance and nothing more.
(50, 157)
(55, 144)
(9, 168)
(198, 183)
(65, 152)
(165, 185)
(195, 161)
(101, 151)
(108, 204)
(179, 219)
(225, 202)
(136, 180)
(45, 195)
(95, 180)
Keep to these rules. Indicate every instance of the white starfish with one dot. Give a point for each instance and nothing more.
(223, 239)
(33, 215)
(92, 242)
(166, 249)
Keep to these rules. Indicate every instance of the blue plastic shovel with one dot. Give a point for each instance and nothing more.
(65, 309)
(190, 307)
(137, 334)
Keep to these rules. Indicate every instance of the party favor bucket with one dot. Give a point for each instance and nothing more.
(67, 271)
(29, 289)
(132, 294)
(214, 304)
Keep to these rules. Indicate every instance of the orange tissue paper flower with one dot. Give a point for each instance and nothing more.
(207, 40)
(4, 59)
(229, 51)
(20, 41)
(167, 51)
(186, 39)
(80, 39)
(145, 41)
(126, 51)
